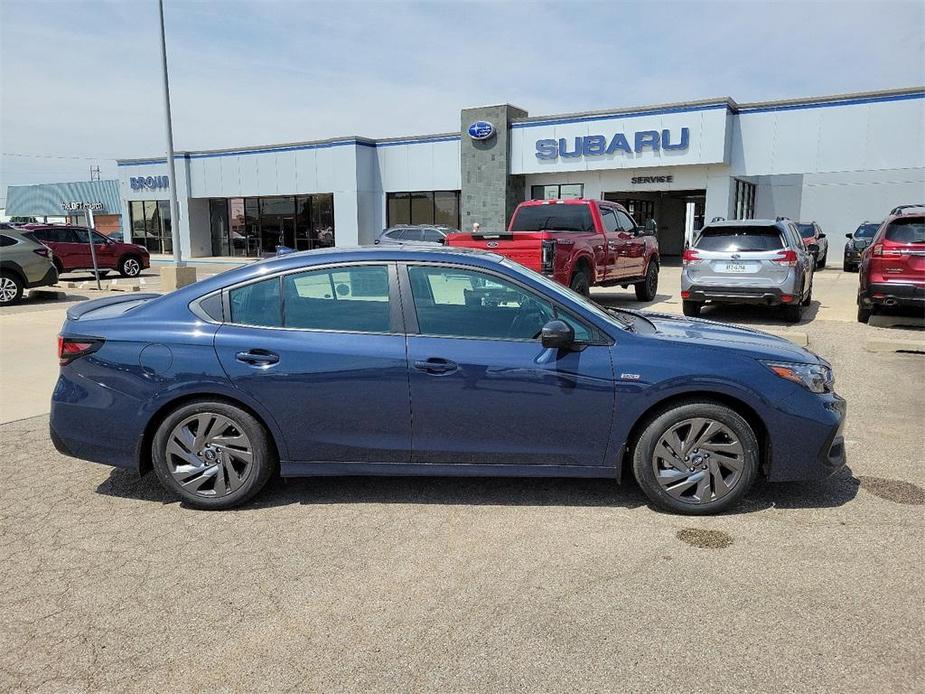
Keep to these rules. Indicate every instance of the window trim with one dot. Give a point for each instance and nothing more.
(412, 328)
(396, 322)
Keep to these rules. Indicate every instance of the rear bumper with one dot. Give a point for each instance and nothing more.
(892, 294)
(770, 296)
(50, 277)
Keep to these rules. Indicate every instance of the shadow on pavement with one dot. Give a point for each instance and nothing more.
(491, 491)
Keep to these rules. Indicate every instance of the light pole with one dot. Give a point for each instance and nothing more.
(174, 207)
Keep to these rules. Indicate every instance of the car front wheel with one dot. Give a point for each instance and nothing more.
(696, 458)
(212, 454)
(580, 283)
(648, 288)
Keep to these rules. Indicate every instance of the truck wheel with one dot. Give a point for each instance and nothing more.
(696, 458)
(648, 288)
(580, 283)
(691, 308)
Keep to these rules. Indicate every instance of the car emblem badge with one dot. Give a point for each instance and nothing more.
(492, 244)
(736, 256)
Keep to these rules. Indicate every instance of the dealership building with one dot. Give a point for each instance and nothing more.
(838, 160)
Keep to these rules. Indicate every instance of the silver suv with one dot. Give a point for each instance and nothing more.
(24, 264)
(755, 261)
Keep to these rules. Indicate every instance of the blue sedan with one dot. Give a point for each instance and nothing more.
(410, 361)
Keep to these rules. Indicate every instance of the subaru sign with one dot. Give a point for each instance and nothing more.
(149, 182)
(598, 145)
(481, 130)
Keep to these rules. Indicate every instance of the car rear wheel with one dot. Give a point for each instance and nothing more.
(129, 266)
(648, 288)
(213, 455)
(864, 314)
(580, 283)
(696, 458)
(10, 288)
(793, 312)
(691, 308)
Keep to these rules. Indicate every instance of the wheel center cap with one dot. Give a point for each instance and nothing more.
(210, 454)
(697, 460)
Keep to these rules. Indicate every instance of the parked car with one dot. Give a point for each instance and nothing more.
(415, 234)
(754, 261)
(313, 363)
(72, 250)
(815, 241)
(579, 243)
(24, 264)
(857, 242)
(892, 271)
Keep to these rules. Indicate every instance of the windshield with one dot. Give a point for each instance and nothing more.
(739, 239)
(806, 230)
(908, 230)
(624, 321)
(554, 217)
(866, 231)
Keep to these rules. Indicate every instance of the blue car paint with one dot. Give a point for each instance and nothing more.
(513, 408)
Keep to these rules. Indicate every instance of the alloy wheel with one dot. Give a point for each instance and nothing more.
(209, 454)
(132, 267)
(8, 290)
(698, 460)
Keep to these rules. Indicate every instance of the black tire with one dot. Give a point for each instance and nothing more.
(691, 308)
(11, 288)
(261, 467)
(58, 266)
(130, 266)
(648, 288)
(848, 267)
(645, 460)
(822, 261)
(580, 283)
(808, 299)
(793, 312)
(864, 314)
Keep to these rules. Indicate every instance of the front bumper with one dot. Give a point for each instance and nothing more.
(892, 294)
(770, 296)
(808, 442)
(853, 256)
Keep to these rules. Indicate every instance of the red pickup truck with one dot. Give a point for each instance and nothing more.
(579, 243)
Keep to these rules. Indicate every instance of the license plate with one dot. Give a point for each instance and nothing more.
(736, 267)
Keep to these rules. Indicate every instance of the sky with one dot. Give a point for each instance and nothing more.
(80, 81)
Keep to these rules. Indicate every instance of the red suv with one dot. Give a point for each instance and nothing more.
(72, 250)
(892, 269)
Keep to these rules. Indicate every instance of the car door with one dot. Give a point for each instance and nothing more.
(73, 253)
(483, 388)
(615, 241)
(634, 256)
(323, 350)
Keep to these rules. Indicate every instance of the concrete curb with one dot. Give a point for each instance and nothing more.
(894, 345)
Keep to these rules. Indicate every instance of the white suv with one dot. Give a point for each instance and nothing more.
(755, 261)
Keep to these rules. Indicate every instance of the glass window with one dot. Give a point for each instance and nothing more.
(252, 225)
(398, 209)
(465, 303)
(735, 238)
(744, 204)
(422, 208)
(906, 230)
(866, 231)
(554, 191)
(353, 299)
(626, 222)
(7, 241)
(446, 208)
(570, 191)
(432, 235)
(256, 304)
(323, 220)
(575, 217)
(609, 218)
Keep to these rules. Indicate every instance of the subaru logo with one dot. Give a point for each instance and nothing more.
(481, 130)
(492, 244)
(735, 256)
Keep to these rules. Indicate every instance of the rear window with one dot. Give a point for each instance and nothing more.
(866, 231)
(909, 230)
(744, 238)
(553, 218)
(806, 230)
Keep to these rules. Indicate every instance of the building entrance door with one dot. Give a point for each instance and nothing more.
(676, 212)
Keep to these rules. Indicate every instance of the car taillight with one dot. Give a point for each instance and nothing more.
(787, 257)
(549, 256)
(42, 251)
(71, 348)
(882, 249)
(690, 256)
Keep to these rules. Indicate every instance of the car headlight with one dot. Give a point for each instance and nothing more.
(814, 377)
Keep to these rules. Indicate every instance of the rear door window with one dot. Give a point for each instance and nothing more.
(256, 304)
(911, 230)
(739, 239)
(354, 299)
(553, 218)
(7, 241)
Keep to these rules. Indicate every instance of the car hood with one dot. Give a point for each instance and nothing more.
(755, 343)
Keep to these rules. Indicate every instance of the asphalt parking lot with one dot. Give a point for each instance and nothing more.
(453, 585)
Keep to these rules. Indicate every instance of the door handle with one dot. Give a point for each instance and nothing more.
(257, 357)
(436, 366)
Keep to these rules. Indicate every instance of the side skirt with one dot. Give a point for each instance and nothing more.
(441, 470)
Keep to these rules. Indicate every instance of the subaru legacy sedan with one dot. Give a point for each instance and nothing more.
(410, 361)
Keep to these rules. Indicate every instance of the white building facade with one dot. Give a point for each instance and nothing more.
(837, 160)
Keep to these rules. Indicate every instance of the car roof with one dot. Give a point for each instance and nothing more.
(746, 223)
(18, 235)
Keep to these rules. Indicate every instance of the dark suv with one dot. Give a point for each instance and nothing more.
(72, 250)
(857, 242)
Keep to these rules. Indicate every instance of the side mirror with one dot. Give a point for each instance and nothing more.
(813, 248)
(849, 236)
(557, 334)
(651, 227)
(821, 236)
